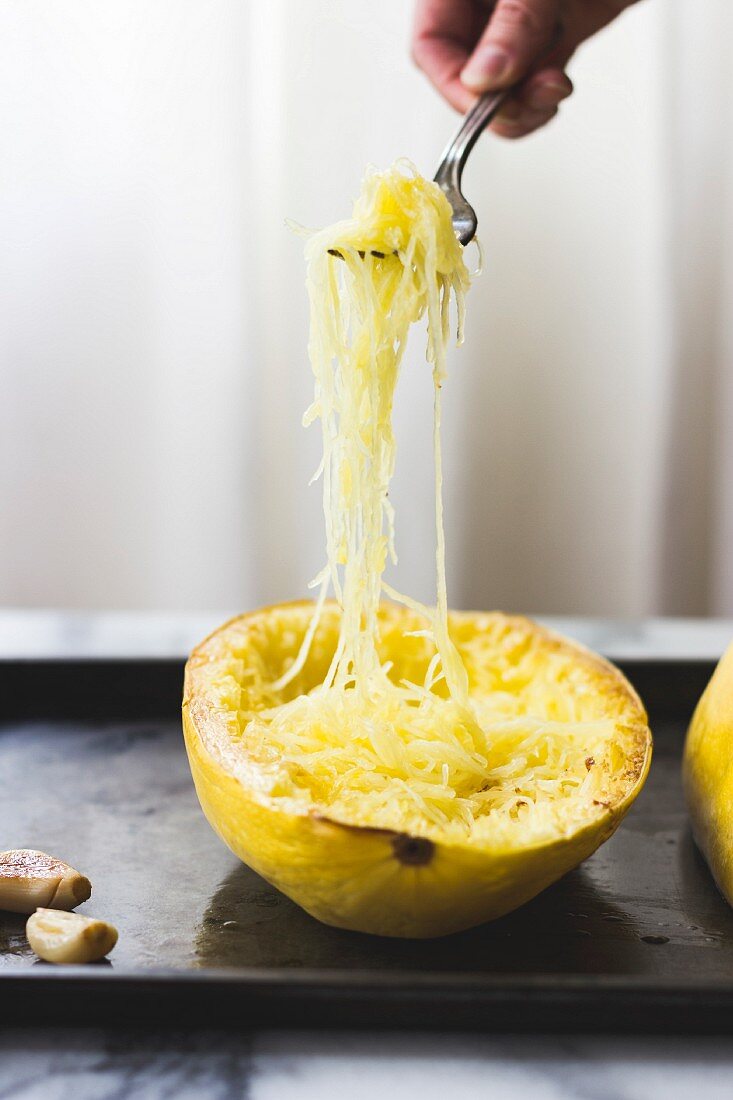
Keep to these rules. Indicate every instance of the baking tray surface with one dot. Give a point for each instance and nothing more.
(92, 768)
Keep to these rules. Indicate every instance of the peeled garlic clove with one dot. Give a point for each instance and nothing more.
(60, 937)
(29, 879)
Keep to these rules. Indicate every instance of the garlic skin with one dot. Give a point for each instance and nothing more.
(61, 937)
(29, 879)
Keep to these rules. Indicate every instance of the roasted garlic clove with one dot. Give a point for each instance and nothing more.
(60, 937)
(29, 879)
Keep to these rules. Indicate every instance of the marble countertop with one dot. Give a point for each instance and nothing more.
(130, 1065)
(44, 1064)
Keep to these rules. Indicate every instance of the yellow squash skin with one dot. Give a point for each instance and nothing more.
(708, 774)
(374, 880)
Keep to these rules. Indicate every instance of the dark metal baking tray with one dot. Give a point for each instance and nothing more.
(92, 768)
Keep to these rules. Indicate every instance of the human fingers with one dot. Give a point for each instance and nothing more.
(443, 36)
(515, 37)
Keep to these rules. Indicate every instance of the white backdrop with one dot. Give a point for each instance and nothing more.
(153, 316)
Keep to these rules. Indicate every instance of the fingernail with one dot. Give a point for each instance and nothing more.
(547, 95)
(518, 123)
(528, 120)
(510, 111)
(488, 65)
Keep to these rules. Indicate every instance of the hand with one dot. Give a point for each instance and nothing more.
(468, 47)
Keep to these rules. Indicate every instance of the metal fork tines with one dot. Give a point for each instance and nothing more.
(450, 171)
(448, 176)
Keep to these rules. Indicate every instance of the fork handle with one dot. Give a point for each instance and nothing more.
(475, 122)
(478, 118)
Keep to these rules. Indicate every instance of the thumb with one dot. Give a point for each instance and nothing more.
(516, 35)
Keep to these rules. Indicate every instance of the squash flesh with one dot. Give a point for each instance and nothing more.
(556, 727)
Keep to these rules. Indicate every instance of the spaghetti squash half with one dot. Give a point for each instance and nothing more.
(417, 831)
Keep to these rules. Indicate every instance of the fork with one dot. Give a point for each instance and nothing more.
(448, 176)
(450, 171)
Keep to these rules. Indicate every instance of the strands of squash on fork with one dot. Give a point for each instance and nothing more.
(400, 261)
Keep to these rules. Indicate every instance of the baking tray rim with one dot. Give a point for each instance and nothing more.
(402, 981)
